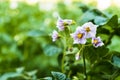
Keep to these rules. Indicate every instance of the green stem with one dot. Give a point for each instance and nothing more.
(63, 57)
(84, 66)
(69, 73)
(66, 43)
(84, 63)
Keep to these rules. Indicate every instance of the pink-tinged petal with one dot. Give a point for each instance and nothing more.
(62, 23)
(79, 36)
(54, 36)
(83, 41)
(97, 42)
(90, 29)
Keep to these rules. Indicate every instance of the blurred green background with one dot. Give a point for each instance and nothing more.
(25, 28)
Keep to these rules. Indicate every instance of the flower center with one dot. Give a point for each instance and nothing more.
(88, 29)
(79, 35)
(95, 41)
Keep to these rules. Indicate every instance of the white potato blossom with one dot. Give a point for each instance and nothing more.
(90, 29)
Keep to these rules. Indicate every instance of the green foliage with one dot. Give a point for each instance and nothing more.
(113, 22)
(116, 61)
(95, 54)
(19, 74)
(28, 53)
(58, 76)
(52, 50)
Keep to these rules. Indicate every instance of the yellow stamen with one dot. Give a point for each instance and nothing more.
(95, 41)
(79, 35)
(88, 29)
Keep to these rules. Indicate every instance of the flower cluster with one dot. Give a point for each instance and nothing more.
(82, 33)
(87, 30)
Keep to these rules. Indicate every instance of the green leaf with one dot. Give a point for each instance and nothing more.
(102, 66)
(58, 76)
(8, 75)
(51, 50)
(87, 16)
(83, 7)
(101, 70)
(117, 31)
(116, 61)
(117, 78)
(93, 54)
(99, 20)
(20, 70)
(115, 44)
(113, 22)
(98, 12)
(36, 33)
(47, 78)
(31, 73)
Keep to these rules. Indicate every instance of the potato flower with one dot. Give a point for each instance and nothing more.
(79, 36)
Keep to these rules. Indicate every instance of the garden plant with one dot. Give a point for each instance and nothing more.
(82, 43)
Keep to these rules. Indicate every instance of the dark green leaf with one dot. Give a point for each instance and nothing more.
(113, 22)
(83, 7)
(117, 31)
(93, 54)
(102, 67)
(58, 76)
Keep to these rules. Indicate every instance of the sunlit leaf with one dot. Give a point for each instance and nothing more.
(20, 70)
(6, 76)
(116, 61)
(47, 78)
(100, 20)
(31, 73)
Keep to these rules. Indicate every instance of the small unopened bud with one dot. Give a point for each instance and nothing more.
(77, 56)
(73, 22)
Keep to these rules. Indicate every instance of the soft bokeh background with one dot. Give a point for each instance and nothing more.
(25, 28)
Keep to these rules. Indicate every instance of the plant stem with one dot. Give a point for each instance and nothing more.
(84, 66)
(84, 63)
(63, 57)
